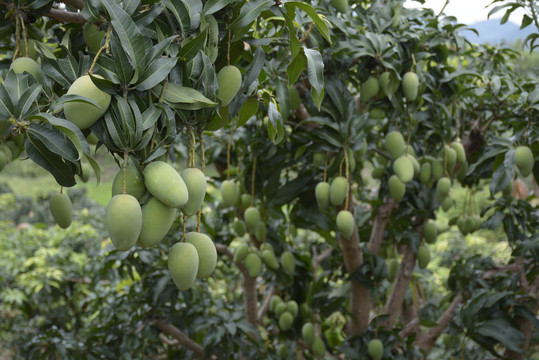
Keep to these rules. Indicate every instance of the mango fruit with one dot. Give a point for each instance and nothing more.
(447, 203)
(523, 157)
(165, 184)
(430, 232)
(241, 253)
(292, 307)
(321, 192)
(252, 218)
(437, 169)
(61, 209)
(268, 257)
(183, 264)
(423, 257)
(282, 351)
(345, 223)
(245, 201)
(274, 301)
(392, 269)
(307, 333)
(410, 86)
(442, 188)
(195, 181)
(133, 184)
(157, 218)
(260, 232)
(239, 227)
(385, 84)
(253, 264)
(280, 308)
(404, 169)
(25, 64)
(395, 144)
(319, 158)
(340, 5)
(229, 193)
(396, 188)
(459, 150)
(229, 81)
(376, 349)
(450, 157)
(318, 347)
(369, 89)
(285, 321)
(123, 221)
(425, 173)
(288, 262)
(82, 114)
(337, 190)
(92, 36)
(207, 253)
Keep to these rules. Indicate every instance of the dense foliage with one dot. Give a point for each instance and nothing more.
(391, 102)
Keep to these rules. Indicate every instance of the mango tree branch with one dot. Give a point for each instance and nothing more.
(383, 213)
(266, 304)
(179, 335)
(395, 299)
(79, 4)
(65, 16)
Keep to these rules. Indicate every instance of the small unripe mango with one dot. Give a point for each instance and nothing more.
(459, 149)
(307, 333)
(450, 156)
(321, 192)
(195, 181)
(229, 193)
(22, 64)
(523, 157)
(285, 321)
(442, 188)
(164, 183)
(270, 260)
(425, 173)
(239, 227)
(123, 221)
(61, 209)
(207, 254)
(183, 264)
(252, 218)
(280, 308)
(396, 188)
(292, 307)
(376, 349)
(133, 184)
(410, 86)
(275, 300)
(82, 114)
(229, 81)
(423, 257)
(157, 218)
(430, 232)
(282, 351)
(253, 264)
(345, 223)
(318, 347)
(337, 190)
(447, 203)
(404, 169)
(260, 232)
(241, 253)
(437, 169)
(392, 269)
(369, 89)
(395, 144)
(245, 201)
(288, 261)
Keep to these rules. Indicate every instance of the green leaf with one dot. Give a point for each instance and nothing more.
(218, 119)
(181, 12)
(182, 94)
(315, 74)
(275, 125)
(250, 11)
(503, 332)
(191, 47)
(157, 50)
(248, 109)
(259, 59)
(212, 6)
(122, 67)
(156, 72)
(320, 24)
(296, 66)
(283, 98)
(95, 166)
(50, 161)
(294, 42)
(6, 106)
(54, 140)
(27, 99)
(150, 117)
(67, 98)
(15, 85)
(130, 6)
(130, 37)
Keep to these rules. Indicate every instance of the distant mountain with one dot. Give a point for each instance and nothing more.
(492, 32)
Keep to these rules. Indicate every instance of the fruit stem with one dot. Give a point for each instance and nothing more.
(184, 228)
(347, 171)
(413, 63)
(25, 34)
(17, 37)
(103, 48)
(228, 50)
(457, 116)
(124, 169)
(229, 147)
(61, 189)
(340, 167)
(203, 166)
(326, 167)
(446, 172)
(306, 35)
(190, 147)
(465, 201)
(253, 174)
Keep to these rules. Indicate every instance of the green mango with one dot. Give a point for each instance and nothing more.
(425, 173)
(321, 192)
(404, 169)
(82, 114)
(396, 188)
(164, 183)
(292, 307)
(337, 190)
(239, 227)
(430, 232)
(157, 218)
(253, 264)
(442, 188)
(133, 184)
(345, 223)
(229, 193)
(423, 257)
(207, 253)
(376, 349)
(280, 308)
(25, 64)
(183, 264)
(61, 209)
(241, 253)
(229, 81)
(307, 333)
(369, 89)
(195, 181)
(410, 86)
(288, 261)
(523, 158)
(459, 150)
(437, 169)
(285, 321)
(318, 347)
(123, 221)
(392, 269)
(275, 300)
(252, 218)
(270, 260)
(395, 144)
(245, 201)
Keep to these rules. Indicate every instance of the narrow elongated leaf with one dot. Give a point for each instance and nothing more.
(191, 47)
(130, 6)
(114, 131)
(156, 72)
(294, 41)
(95, 167)
(51, 162)
(126, 119)
(315, 74)
(296, 66)
(27, 98)
(503, 332)
(69, 68)
(182, 94)
(67, 98)
(129, 34)
(320, 24)
(150, 117)
(275, 125)
(16, 85)
(254, 69)
(69, 129)
(157, 50)
(137, 116)
(283, 98)
(250, 11)
(248, 110)
(212, 6)
(123, 69)
(54, 140)
(181, 12)
(6, 105)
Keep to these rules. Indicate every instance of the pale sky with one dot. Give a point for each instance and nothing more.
(466, 11)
